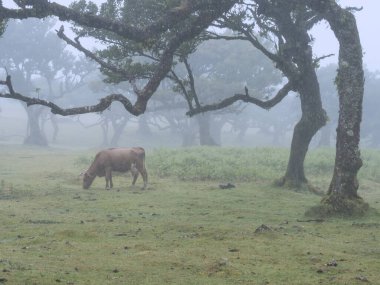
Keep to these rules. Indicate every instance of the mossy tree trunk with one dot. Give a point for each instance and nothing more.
(299, 68)
(342, 196)
(312, 119)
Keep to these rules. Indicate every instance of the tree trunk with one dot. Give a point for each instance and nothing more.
(216, 130)
(342, 197)
(105, 127)
(118, 128)
(297, 64)
(54, 122)
(205, 137)
(312, 119)
(35, 135)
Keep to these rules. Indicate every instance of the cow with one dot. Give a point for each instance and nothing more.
(116, 159)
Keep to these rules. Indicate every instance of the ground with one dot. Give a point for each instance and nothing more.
(178, 231)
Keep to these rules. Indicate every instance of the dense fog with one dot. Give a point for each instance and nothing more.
(64, 76)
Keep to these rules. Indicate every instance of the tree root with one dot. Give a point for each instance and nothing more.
(298, 186)
(339, 206)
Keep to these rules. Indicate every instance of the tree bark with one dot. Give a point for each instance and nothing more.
(312, 119)
(298, 46)
(342, 197)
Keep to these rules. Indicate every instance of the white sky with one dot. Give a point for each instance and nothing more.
(368, 25)
(325, 43)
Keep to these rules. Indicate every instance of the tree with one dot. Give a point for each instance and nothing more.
(342, 196)
(185, 20)
(25, 62)
(46, 75)
(287, 23)
(214, 72)
(193, 18)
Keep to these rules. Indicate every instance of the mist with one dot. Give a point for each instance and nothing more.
(241, 125)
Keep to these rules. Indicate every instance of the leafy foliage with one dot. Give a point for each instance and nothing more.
(3, 25)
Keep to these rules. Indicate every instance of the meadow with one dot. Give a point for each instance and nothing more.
(183, 229)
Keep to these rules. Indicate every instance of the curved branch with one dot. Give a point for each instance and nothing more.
(77, 45)
(174, 77)
(284, 65)
(165, 63)
(281, 94)
(318, 59)
(55, 109)
(192, 82)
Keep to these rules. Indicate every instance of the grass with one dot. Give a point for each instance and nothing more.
(183, 229)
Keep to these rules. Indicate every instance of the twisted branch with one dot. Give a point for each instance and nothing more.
(281, 94)
(55, 109)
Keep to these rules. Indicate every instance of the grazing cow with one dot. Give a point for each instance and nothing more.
(116, 159)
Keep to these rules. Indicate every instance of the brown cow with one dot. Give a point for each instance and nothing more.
(116, 159)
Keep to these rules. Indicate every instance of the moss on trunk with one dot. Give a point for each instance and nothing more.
(342, 197)
(338, 205)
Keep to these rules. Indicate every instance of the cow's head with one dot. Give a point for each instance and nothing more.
(87, 180)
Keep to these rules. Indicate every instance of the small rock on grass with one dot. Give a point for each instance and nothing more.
(263, 228)
(362, 278)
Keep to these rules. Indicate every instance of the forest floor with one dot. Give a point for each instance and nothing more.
(183, 229)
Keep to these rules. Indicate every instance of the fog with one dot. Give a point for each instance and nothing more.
(366, 20)
(241, 125)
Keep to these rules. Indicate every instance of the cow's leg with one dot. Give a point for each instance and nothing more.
(135, 173)
(135, 178)
(144, 175)
(141, 168)
(109, 183)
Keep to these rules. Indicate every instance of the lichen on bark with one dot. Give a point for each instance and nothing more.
(342, 197)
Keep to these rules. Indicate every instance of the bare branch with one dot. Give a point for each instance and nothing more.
(354, 9)
(166, 60)
(245, 34)
(192, 82)
(318, 59)
(55, 109)
(77, 45)
(281, 94)
(174, 77)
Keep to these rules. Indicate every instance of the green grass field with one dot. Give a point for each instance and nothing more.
(183, 229)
